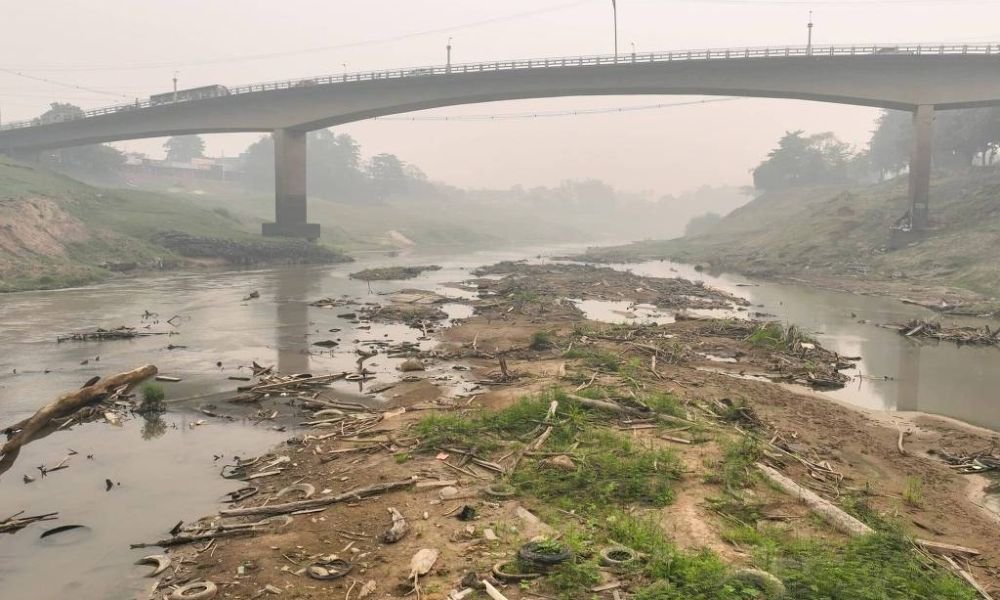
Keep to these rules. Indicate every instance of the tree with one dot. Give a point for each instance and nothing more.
(890, 145)
(801, 160)
(58, 112)
(184, 148)
(387, 174)
(98, 160)
(701, 224)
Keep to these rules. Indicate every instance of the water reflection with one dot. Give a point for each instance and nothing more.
(293, 290)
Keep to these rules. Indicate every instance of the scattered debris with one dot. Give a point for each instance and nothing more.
(397, 530)
(972, 336)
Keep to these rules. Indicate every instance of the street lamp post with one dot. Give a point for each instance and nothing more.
(345, 70)
(614, 11)
(448, 69)
(175, 86)
(633, 51)
(809, 42)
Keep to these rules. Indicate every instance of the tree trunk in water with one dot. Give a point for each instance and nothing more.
(69, 403)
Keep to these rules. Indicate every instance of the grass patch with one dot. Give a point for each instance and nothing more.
(541, 340)
(611, 471)
(735, 471)
(913, 494)
(595, 358)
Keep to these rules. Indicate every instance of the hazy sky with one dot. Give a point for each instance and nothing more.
(122, 49)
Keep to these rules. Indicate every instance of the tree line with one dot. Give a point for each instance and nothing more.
(962, 138)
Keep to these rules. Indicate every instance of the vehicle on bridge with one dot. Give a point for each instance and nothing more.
(198, 93)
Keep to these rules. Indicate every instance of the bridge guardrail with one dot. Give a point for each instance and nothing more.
(573, 61)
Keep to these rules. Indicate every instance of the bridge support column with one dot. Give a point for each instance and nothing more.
(290, 187)
(920, 166)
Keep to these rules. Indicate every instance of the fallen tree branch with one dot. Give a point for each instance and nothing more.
(69, 403)
(280, 509)
(824, 508)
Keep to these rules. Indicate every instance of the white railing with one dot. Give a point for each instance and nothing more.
(563, 62)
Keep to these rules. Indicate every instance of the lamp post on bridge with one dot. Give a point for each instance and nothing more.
(448, 48)
(614, 12)
(809, 41)
(175, 86)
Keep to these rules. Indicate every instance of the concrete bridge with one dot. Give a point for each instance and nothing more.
(915, 78)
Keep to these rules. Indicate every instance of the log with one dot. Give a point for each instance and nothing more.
(492, 592)
(824, 508)
(942, 548)
(71, 402)
(287, 507)
(608, 406)
(969, 579)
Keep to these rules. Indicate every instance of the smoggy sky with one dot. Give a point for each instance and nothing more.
(123, 49)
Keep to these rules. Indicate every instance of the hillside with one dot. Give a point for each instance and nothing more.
(58, 232)
(843, 234)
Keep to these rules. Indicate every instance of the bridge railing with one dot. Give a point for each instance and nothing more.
(561, 62)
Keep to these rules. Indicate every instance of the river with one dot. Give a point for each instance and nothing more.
(166, 469)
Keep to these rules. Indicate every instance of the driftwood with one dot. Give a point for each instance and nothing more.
(16, 522)
(280, 509)
(969, 578)
(824, 508)
(942, 548)
(69, 403)
(959, 335)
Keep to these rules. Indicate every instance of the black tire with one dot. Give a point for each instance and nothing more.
(529, 553)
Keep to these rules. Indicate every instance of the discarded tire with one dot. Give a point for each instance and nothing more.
(502, 571)
(199, 590)
(334, 569)
(618, 557)
(534, 553)
(500, 490)
(770, 585)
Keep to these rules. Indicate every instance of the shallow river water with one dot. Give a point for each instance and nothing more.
(167, 470)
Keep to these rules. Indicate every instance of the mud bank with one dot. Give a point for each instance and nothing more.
(628, 451)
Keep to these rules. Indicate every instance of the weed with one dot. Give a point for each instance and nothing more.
(541, 340)
(595, 358)
(665, 403)
(914, 492)
(152, 398)
(446, 429)
(402, 458)
(736, 469)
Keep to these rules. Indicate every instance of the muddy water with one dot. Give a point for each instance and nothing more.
(166, 470)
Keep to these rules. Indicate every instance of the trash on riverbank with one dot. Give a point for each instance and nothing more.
(972, 336)
(16, 522)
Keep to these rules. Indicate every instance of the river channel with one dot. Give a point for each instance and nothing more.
(166, 469)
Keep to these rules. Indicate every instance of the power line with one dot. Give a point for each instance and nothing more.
(554, 113)
(370, 42)
(63, 84)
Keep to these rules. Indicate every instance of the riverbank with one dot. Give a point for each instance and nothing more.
(651, 443)
(840, 238)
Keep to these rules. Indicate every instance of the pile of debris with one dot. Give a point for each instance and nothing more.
(918, 328)
(120, 333)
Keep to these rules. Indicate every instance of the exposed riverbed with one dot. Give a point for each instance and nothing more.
(172, 464)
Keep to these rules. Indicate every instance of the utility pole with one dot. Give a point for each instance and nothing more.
(345, 70)
(809, 42)
(633, 51)
(448, 69)
(175, 86)
(614, 11)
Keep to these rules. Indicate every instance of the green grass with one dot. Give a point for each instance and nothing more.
(736, 470)
(541, 340)
(595, 358)
(913, 494)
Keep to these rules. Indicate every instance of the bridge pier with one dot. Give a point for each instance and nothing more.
(920, 166)
(290, 187)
